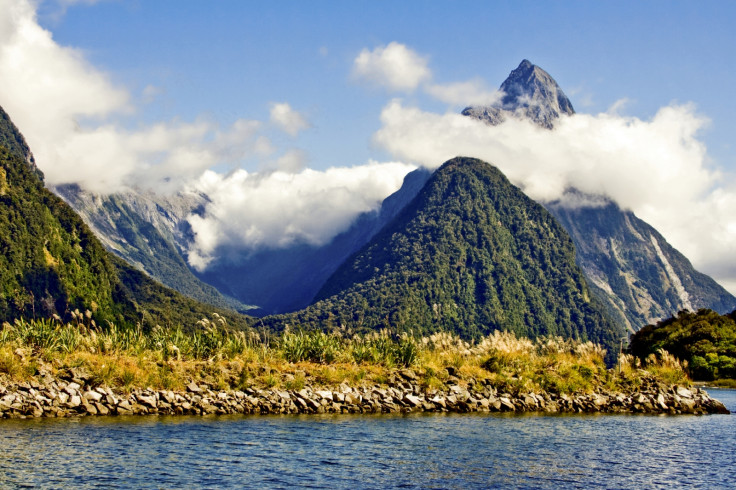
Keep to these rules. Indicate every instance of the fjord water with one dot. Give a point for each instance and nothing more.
(349, 451)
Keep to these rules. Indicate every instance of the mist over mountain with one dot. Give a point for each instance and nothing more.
(629, 265)
(53, 265)
(287, 279)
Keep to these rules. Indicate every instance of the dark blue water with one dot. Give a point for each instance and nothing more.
(427, 451)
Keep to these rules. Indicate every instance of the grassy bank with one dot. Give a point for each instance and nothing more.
(223, 359)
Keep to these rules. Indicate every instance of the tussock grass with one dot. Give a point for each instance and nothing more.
(225, 359)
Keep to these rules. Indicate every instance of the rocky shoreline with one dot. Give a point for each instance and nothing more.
(75, 395)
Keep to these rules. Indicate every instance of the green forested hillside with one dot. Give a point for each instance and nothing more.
(706, 340)
(12, 139)
(52, 264)
(470, 254)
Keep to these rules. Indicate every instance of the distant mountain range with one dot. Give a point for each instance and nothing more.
(632, 270)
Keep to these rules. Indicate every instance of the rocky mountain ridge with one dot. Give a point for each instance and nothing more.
(530, 93)
(629, 265)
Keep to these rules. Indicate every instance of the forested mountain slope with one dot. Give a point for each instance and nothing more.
(52, 263)
(470, 254)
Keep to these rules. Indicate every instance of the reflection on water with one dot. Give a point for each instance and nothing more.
(341, 451)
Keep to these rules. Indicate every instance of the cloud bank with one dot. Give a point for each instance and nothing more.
(69, 111)
(251, 211)
(657, 168)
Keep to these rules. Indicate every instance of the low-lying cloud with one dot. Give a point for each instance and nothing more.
(658, 168)
(251, 211)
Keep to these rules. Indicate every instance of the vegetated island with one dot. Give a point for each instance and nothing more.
(50, 369)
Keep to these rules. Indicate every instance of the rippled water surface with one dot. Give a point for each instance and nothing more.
(341, 451)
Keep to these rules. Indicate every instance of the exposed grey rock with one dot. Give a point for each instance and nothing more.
(530, 93)
(23, 400)
(72, 388)
(629, 265)
(93, 396)
(683, 392)
(193, 388)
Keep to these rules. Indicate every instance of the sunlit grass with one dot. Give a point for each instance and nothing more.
(224, 359)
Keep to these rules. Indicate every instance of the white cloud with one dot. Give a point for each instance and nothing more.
(657, 168)
(276, 209)
(150, 92)
(67, 110)
(292, 161)
(395, 67)
(287, 119)
(471, 92)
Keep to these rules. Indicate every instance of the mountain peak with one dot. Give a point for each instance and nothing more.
(530, 93)
(471, 253)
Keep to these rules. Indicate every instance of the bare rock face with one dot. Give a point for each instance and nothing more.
(632, 268)
(529, 92)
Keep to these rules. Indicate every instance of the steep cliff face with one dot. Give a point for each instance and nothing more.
(642, 276)
(149, 232)
(629, 265)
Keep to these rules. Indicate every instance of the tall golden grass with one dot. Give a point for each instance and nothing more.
(167, 358)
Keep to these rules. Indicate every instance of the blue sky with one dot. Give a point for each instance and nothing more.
(296, 116)
(230, 59)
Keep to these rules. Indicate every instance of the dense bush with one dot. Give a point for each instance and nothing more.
(706, 340)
